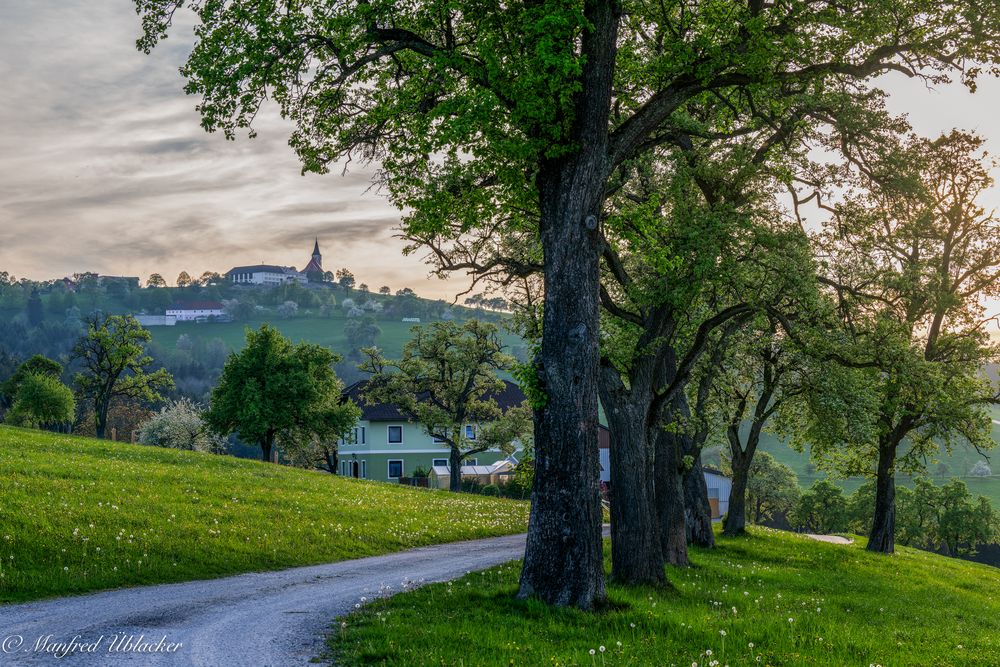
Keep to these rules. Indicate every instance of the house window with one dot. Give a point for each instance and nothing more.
(470, 431)
(440, 462)
(437, 440)
(364, 436)
(395, 468)
(713, 492)
(395, 435)
(364, 470)
(470, 462)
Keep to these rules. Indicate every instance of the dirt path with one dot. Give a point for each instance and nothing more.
(275, 619)
(832, 539)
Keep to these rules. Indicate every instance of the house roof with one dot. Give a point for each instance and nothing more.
(261, 268)
(510, 396)
(714, 471)
(197, 305)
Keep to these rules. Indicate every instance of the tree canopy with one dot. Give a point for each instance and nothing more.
(446, 381)
(275, 388)
(115, 366)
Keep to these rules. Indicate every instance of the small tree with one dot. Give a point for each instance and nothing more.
(772, 488)
(384, 289)
(822, 509)
(981, 469)
(180, 425)
(156, 280)
(36, 365)
(446, 381)
(273, 388)
(288, 310)
(34, 309)
(184, 279)
(345, 279)
(115, 363)
(42, 401)
(964, 522)
(210, 278)
(361, 332)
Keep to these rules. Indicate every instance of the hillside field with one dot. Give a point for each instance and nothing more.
(957, 464)
(771, 599)
(328, 332)
(78, 515)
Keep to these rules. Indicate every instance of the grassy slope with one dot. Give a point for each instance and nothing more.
(328, 332)
(78, 514)
(847, 607)
(959, 462)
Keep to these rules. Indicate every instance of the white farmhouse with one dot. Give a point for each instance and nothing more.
(196, 310)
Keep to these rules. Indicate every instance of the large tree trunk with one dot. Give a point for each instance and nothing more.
(736, 518)
(101, 408)
(636, 556)
(265, 448)
(563, 558)
(455, 477)
(670, 497)
(882, 536)
(697, 510)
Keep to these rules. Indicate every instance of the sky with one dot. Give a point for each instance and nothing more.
(104, 166)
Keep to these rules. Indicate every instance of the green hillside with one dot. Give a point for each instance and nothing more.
(328, 332)
(945, 466)
(78, 515)
(772, 598)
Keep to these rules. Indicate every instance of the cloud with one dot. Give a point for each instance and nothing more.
(104, 166)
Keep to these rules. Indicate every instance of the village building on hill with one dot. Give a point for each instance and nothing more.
(270, 275)
(195, 311)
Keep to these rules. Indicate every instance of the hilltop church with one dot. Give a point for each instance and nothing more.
(269, 275)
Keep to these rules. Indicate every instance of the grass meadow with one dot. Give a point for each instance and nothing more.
(79, 515)
(328, 332)
(771, 598)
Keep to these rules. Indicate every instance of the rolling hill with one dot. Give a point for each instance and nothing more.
(771, 598)
(79, 515)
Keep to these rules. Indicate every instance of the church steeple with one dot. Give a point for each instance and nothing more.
(315, 267)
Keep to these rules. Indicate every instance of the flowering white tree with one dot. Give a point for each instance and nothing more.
(981, 469)
(180, 426)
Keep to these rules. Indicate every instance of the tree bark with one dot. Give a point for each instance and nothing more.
(636, 555)
(736, 518)
(670, 497)
(697, 510)
(563, 559)
(455, 476)
(881, 539)
(265, 448)
(101, 408)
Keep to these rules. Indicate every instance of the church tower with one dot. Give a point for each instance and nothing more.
(315, 267)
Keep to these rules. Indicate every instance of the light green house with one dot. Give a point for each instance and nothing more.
(384, 445)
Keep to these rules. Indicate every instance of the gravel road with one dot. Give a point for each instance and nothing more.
(832, 539)
(271, 619)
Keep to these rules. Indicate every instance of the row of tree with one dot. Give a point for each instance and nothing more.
(619, 170)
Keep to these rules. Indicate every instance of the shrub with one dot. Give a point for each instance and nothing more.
(491, 490)
(288, 310)
(41, 401)
(981, 469)
(420, 471)
(180, 426)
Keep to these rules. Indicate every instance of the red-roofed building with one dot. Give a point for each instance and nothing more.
(196, 310)
(314, 269)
